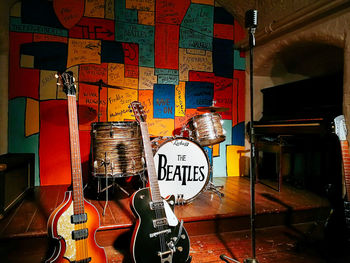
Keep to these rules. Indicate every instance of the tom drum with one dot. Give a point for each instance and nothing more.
(206, 129)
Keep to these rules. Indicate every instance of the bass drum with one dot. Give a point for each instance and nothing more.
(182, 168)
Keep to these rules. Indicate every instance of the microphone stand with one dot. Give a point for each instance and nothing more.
(251, 24)
(251, 32)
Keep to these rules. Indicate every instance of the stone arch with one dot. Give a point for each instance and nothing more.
(275, 54)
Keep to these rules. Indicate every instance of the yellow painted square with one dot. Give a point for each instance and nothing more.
(16, 9)
(146, 18)
(147, 78)
(32, 117)
(27, 61)
(118, 102)
(116, 74)
(180, 101)
(216, 150)
(94, 8)
(233, 160)
(48, 85)
(83, 51)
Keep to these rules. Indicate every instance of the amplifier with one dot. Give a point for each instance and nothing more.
(16, 178)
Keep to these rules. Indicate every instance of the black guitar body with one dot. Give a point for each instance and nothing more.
(153, 244)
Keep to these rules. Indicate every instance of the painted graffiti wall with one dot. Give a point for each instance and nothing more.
(171, 55)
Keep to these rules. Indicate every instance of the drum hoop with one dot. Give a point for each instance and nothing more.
(199, 116)
(205, 154)
(206, 114)
(116, 175)
(114, 124)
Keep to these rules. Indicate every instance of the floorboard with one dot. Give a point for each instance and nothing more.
(216, 225)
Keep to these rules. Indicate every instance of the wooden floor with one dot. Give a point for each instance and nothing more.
(289, 224)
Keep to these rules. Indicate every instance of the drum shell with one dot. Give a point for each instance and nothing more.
(206, 129)
(117, 149)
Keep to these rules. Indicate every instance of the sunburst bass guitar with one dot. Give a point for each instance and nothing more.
(73, 224)
(158, 236)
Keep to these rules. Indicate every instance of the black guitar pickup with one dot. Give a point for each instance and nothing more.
(80, 234)
(78, 218)
(156, 205)
(160, 222)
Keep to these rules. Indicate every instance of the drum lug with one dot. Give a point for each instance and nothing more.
(111, 133)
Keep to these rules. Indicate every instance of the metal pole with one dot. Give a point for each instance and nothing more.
(251, 32)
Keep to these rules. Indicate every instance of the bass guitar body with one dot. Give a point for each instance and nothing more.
(153, 241)
(75, 242)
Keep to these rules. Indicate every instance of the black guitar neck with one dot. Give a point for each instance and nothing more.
(158, 235)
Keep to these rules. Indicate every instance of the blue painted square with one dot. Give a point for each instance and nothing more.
(164, 101)
(238, 134)
(199, 94)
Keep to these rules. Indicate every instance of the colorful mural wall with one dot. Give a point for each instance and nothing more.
(171, 55)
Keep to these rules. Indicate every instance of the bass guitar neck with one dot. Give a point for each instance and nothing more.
(74, 222)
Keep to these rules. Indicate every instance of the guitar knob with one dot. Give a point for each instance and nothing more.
(180, 249)
(183, 236)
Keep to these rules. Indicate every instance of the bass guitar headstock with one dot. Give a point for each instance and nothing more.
(66, 80)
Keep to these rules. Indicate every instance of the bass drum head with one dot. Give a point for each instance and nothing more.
(182, 168)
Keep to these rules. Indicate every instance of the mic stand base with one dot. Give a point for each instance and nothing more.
(251, 260)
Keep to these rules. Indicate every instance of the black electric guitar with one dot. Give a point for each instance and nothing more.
(158, 235)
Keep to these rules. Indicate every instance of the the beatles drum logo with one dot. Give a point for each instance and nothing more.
(179, 172)
(182, 168)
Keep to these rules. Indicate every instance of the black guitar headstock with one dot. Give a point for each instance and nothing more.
(139, 113)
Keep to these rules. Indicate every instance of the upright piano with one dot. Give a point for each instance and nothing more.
(294, 137)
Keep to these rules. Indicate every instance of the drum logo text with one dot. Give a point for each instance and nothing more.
(180, 142)
(183, 173)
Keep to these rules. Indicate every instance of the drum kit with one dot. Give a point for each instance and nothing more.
(181, 162)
